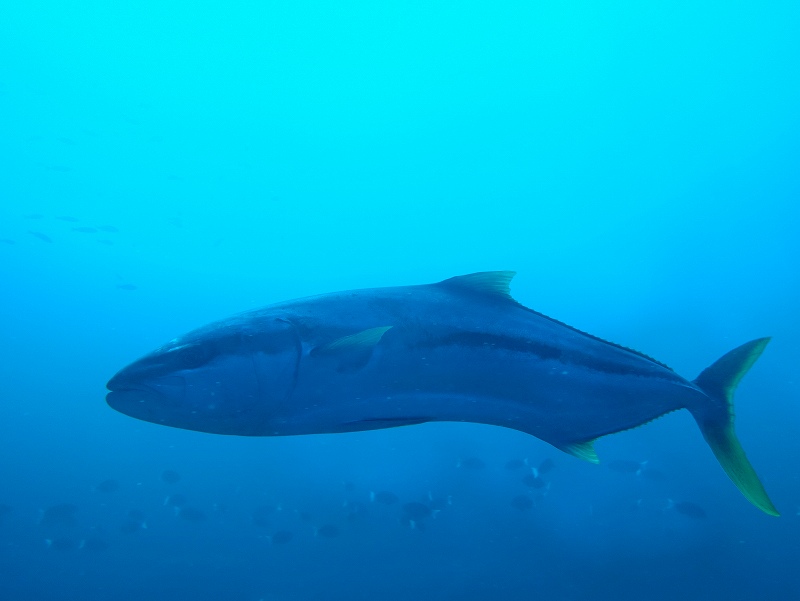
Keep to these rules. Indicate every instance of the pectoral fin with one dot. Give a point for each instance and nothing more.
(364, 340)
(351, 353)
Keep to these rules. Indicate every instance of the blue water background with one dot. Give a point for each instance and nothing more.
(635, 162)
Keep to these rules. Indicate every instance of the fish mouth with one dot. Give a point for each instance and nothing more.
(133, 376)
(123, 391)
(134, 397)
(117, 383)
(126, 400)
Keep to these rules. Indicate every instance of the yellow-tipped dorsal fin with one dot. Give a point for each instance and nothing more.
(486, 282)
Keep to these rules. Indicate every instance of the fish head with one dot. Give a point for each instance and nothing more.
(227, 378)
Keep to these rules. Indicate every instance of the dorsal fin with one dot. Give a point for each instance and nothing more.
(485, 282)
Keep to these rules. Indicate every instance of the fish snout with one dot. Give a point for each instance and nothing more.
(144, 387)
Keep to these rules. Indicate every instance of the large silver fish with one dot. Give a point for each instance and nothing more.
(460, 350)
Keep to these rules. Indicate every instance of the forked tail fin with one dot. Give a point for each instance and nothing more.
(719, 382)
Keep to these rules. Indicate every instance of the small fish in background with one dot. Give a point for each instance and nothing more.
(534, 481)
(7, 241)
(127, 286)
(327, 531)
(304, 516)
(438, 504)
(107, 486)
(34, 216)
(415, 514)
(626, 466)
(93, 544)
(281, 537)
(136, 514)
(546, 466)
(65, 140)
(636, 506)
(129, 527)
(170, 476)
(687, 508)
(653, 474)
(471, 463)
(348, 486)
(134, 522)
(61, 515)
(41, 236)
(108, 228)
(61, 543)
(85, 229)
(192, 515)
(68, 218)
(354, 510)
(522, 503)
(384, 497)
(177, 500)
(536, 472)
(262, 515)
(515, 464)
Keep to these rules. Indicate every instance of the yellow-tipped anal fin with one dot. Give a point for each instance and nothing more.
(582, 450)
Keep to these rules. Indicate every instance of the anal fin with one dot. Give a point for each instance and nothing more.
(582, 450)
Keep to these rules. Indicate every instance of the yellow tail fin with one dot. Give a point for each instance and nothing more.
(719, 382)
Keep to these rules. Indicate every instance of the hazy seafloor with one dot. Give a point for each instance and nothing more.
(166, 164)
